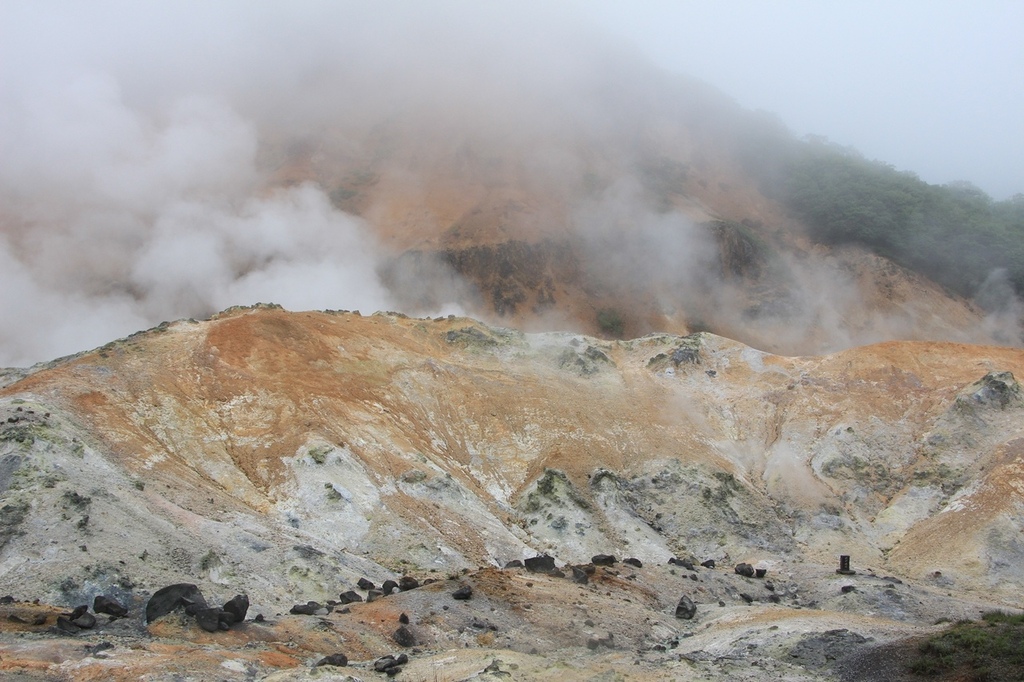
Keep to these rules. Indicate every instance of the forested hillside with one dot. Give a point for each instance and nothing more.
(954, 234)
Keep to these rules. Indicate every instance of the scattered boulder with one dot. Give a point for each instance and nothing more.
(86, 621)
(463, 593)
(209, 619)
(77, 612)
(386, 664)
(404, 636)
(595, 642)
(633, 561)
(238, 607)
(760, 572)
(350, 597)
(688, 565)
(373, 595)
(846, 589)
(365, 584)
(407, 582)
(388, 587)
(540, 564)
(745, 570)
(404, 619)
(65, 626)
(515, 563)
(308, 609)
(166, 599)
(710, 563)
(102, 604)
(603, 560)
(579, 576)
(339, 660)
(685, 609)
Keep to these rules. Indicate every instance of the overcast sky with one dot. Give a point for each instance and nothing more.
(931, 86)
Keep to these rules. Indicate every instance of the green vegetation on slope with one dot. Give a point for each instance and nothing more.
(955, 234)
(991, 649)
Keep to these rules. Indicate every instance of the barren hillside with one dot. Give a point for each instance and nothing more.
(286, 455)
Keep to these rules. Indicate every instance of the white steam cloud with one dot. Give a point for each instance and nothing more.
(117, 219)
(169, 160)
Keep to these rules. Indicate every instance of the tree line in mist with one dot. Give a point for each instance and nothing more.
(955, 234)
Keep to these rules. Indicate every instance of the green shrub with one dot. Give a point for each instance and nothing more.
(990, 649)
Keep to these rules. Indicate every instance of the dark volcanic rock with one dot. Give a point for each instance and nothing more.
(166, 599)
(238, 606)
(685, 563)
(633, 561)
(603, 560)
(710, 563)
(463, 593)
(307, 609)
(407, 582)
(373, 595)
(686, 609)
(66, 627)
(349, 597)
(365, 584)
(540, 564)
(209, 619)
(340, 660)
(515, 563)
(86, 621)
(404, 636)
(390, 665)
(579, 576)
(388, 587)
(102, 604)
(744, 570)
(404, 619)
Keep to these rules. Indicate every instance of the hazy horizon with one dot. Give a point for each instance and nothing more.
(927, 87)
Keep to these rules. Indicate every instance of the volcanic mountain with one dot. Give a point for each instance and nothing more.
(287, 455)
(646, 387)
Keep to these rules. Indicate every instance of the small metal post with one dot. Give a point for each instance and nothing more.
(844, 565)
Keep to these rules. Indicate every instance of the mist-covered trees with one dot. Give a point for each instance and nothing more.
(955, 234)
